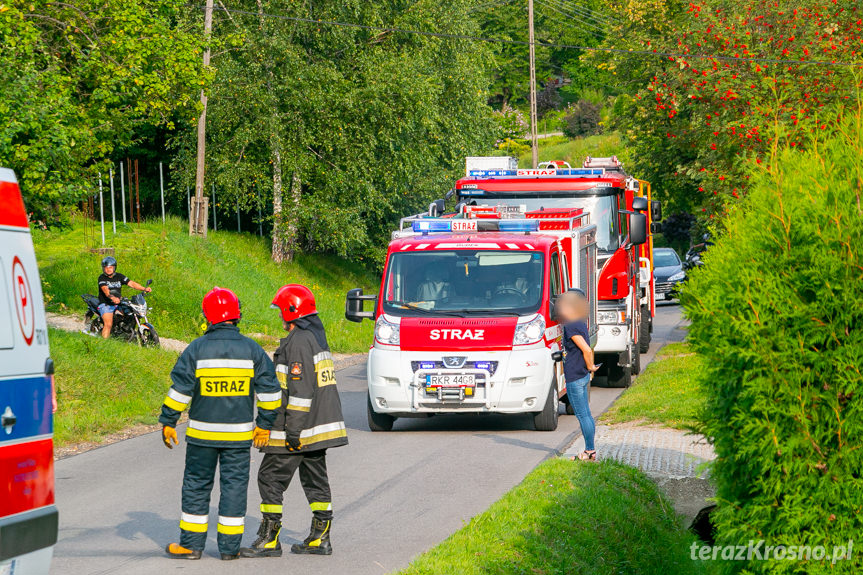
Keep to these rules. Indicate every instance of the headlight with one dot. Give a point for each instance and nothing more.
(611, 317)
(530, 332)
(678, 276)
(386, 332)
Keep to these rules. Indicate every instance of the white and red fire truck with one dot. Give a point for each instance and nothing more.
(464, 319)
(625, 287)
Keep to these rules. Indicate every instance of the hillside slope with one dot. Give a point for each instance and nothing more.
(183, 269)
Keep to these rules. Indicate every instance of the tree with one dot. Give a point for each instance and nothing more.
(581, 119)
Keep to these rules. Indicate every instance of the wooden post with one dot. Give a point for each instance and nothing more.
(198, 221)
(534, 146)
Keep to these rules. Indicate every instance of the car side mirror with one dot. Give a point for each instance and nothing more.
(637, 228)
(149, 281)
(639, 204)
(552, 304)
(557, 356)
(655, 210)
(354, 305)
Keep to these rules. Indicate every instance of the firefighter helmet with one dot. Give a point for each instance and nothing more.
(220, 305)
(294, 301)
(109, 261)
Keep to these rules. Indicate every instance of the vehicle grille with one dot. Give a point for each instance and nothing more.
(471, 365)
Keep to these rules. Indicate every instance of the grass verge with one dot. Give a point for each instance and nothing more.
(185, 268)
(104, 386)
(568, 518)
(574, 151)
(666, 393)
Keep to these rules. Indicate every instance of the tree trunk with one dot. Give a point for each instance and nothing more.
(280, 252)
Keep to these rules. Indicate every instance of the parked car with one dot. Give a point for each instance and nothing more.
(667, 272)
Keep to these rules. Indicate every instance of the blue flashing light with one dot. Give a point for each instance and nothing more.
(482, 365)
(542, 172)
(483, 173)
(518, 225)
(426, 365)
(432, 225)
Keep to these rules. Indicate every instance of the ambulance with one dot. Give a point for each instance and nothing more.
(464, 318)
(28, 517)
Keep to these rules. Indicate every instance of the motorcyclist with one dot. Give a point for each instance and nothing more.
(111, 283)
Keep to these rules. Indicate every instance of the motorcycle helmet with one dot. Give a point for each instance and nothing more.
(109, 261)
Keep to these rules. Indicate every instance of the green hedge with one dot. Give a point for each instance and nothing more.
(778, 315)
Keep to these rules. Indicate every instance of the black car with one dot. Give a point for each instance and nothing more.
(667, 272)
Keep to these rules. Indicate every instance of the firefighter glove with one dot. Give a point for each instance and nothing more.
(169, 434)
(293, 443)
(261, 437)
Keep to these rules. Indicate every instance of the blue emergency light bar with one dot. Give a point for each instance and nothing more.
(542, 172)
(426, 365)
(433, 225)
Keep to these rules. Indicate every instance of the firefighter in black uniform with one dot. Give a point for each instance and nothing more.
(219, 377)
(308, 423)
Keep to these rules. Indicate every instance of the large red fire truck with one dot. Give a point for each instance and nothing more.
(464, 319)
(612, 198)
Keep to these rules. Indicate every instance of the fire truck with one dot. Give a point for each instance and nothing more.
(614, 200)
(464, 318)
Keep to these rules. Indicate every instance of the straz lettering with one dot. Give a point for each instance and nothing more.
(460, 334)
(225, 387)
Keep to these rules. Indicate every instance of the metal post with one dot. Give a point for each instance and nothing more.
(101, 209)
(123, 192)
(215, 223)
(113, 213)
(534, 145)
(162, 190)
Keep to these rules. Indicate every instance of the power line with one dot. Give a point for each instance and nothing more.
(651, 53)
(488, 5)
(592, 21)
(593, 28)
(593, 14)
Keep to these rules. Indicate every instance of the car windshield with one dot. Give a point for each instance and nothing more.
(464, 282)
(665, 258)
(602, 210)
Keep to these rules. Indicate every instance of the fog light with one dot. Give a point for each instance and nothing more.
(615, 331)
(530, 401)
(381, 402)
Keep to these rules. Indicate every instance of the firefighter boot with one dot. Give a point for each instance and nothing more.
(318, 541)
(175, 551)
(267, 544)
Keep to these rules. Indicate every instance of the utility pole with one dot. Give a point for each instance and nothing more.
(534, 149)
(198, 219)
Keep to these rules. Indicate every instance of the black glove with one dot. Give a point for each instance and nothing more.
(293, 443)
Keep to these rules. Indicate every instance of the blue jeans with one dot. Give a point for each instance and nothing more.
(576, 391)
(106, 308)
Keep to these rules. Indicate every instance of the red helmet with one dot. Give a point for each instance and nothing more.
(294, 301)
(220, 305)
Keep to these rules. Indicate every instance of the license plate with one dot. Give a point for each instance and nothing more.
(660, 296)
(451, 380)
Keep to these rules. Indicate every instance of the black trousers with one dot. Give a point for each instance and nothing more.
(198, 481)
(277, 470)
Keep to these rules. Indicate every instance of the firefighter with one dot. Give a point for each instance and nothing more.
(218, 377)
(308, 423)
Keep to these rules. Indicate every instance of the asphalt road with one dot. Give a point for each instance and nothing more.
(394, 494)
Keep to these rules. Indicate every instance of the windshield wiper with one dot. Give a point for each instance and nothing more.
(412, 307)
(489, 311)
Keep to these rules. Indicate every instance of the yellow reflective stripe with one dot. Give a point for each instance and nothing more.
(321, 506)
(230, 529)
(295, 407)
(220, 435)
(224, 372)
(267, 508)
(283, 379)
(195, 527)
(270, 404)
(174, 404)
(321, 436)
(272, 544)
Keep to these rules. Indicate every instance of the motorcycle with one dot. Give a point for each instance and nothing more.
(130, 320)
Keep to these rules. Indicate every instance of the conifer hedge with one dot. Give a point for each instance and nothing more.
(778, 314)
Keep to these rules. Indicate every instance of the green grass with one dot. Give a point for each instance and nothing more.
(667, 392)
(104, 386)
(574, 151)
(565, 517)
(185, 268)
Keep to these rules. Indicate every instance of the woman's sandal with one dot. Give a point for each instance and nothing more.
(585, 456)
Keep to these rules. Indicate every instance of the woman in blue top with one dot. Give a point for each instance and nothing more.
(578, 366)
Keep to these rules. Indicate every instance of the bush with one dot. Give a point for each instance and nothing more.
(582, 119)
(777, 313)
(511, 123)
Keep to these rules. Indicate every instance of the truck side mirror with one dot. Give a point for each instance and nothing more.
(656, 227)
(639, 204)
(436, 208)
(637, 228)
(354, 305)
(449, 194)
(655, 210)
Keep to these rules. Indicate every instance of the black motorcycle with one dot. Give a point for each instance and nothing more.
(130, 320)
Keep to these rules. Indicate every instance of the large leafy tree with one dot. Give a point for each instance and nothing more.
(79, 78)
(363, 125)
